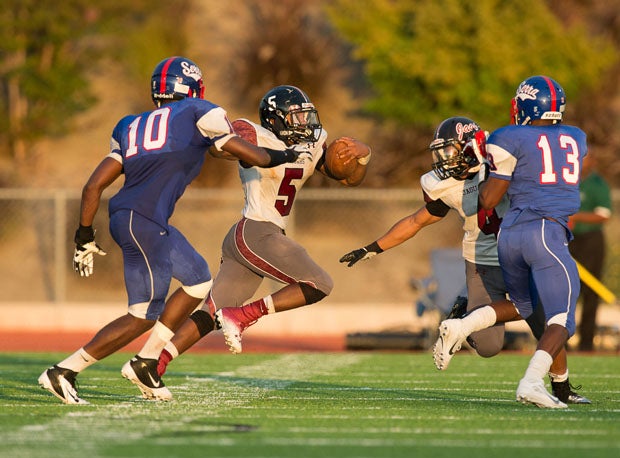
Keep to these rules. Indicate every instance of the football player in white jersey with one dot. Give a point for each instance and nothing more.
(256, 246)
(453, 184)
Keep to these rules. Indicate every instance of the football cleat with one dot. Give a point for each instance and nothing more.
(450, 339)
(142, 372)
(232, 321)
(459, 309)
(534, 392)
(564, 392)
(61, 383)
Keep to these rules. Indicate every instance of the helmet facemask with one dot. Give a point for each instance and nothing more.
(290, 115)
(301, 124)
(449, 160)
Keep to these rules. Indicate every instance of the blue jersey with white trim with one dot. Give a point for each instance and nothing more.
(162, 151)
(543, 165)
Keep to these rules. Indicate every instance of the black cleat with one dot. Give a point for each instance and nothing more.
(61, 383)
(142, 372)
(459, 309)
(564, 392)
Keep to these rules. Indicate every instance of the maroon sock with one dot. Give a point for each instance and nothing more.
(254, 310)
(164, 358)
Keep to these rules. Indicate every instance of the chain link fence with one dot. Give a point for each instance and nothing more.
(37, 228)
(36, 241)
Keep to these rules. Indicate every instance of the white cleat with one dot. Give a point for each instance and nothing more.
(61, 383)
(226, 319)
(534, 392)
(142, 372)
(450, 339)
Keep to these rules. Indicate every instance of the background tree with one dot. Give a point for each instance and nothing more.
(429, 59)
(50, 50)
(426, 60)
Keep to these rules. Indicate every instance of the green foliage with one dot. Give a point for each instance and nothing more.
(143, 34)
(430, 59)
(50, 49)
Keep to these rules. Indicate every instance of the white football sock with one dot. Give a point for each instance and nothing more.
(160, 336)
(78, 361)
(170, 348)
(268, 300)
(539, 365)
(559, 377)
(479, 319)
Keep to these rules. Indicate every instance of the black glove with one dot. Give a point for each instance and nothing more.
(362, 254)
(85, 246)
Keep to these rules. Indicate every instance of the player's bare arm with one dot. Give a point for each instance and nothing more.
(406, 228)
(104, 175)
(491, 191)
(257, 156)
(400, 232)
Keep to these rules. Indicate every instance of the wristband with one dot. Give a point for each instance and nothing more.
(364, 160)
(279, 157)
(374, 246)
(84, 234)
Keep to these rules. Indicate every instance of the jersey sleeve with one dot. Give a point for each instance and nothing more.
(436, 207)
(433, 188)
(245, 130)
(214, 124)
(501, 162)
(115, 140)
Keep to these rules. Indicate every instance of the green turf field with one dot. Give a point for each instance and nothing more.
(309, 405)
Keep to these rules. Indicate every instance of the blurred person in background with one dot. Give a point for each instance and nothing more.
(535, 161)
(589, 247)
(457, 150)
(159, 152)
(257, 247)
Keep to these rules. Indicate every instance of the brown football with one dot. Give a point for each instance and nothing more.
(335, 160)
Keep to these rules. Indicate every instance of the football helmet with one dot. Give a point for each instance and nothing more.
(290, 115)
(176, 78)
(448, 145)
(538, 97)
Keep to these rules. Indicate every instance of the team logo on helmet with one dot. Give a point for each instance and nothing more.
(527, 92)
(462, 130)
(191, 70)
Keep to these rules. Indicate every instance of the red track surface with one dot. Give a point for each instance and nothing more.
(214, 343)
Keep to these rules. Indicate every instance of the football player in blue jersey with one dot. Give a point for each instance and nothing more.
(536, 162)
(456, 150)
(159, 152)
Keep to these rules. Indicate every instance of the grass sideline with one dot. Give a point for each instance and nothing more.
(351, 404)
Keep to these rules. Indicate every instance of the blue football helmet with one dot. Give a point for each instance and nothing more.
(450, 160)
(538, 97)
(176, 78)
(290, 115)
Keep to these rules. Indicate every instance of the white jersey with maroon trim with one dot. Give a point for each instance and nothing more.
(270, 192)
(462, 196)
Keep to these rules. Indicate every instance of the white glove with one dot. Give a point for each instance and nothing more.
(83, 259)
(302, 148)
